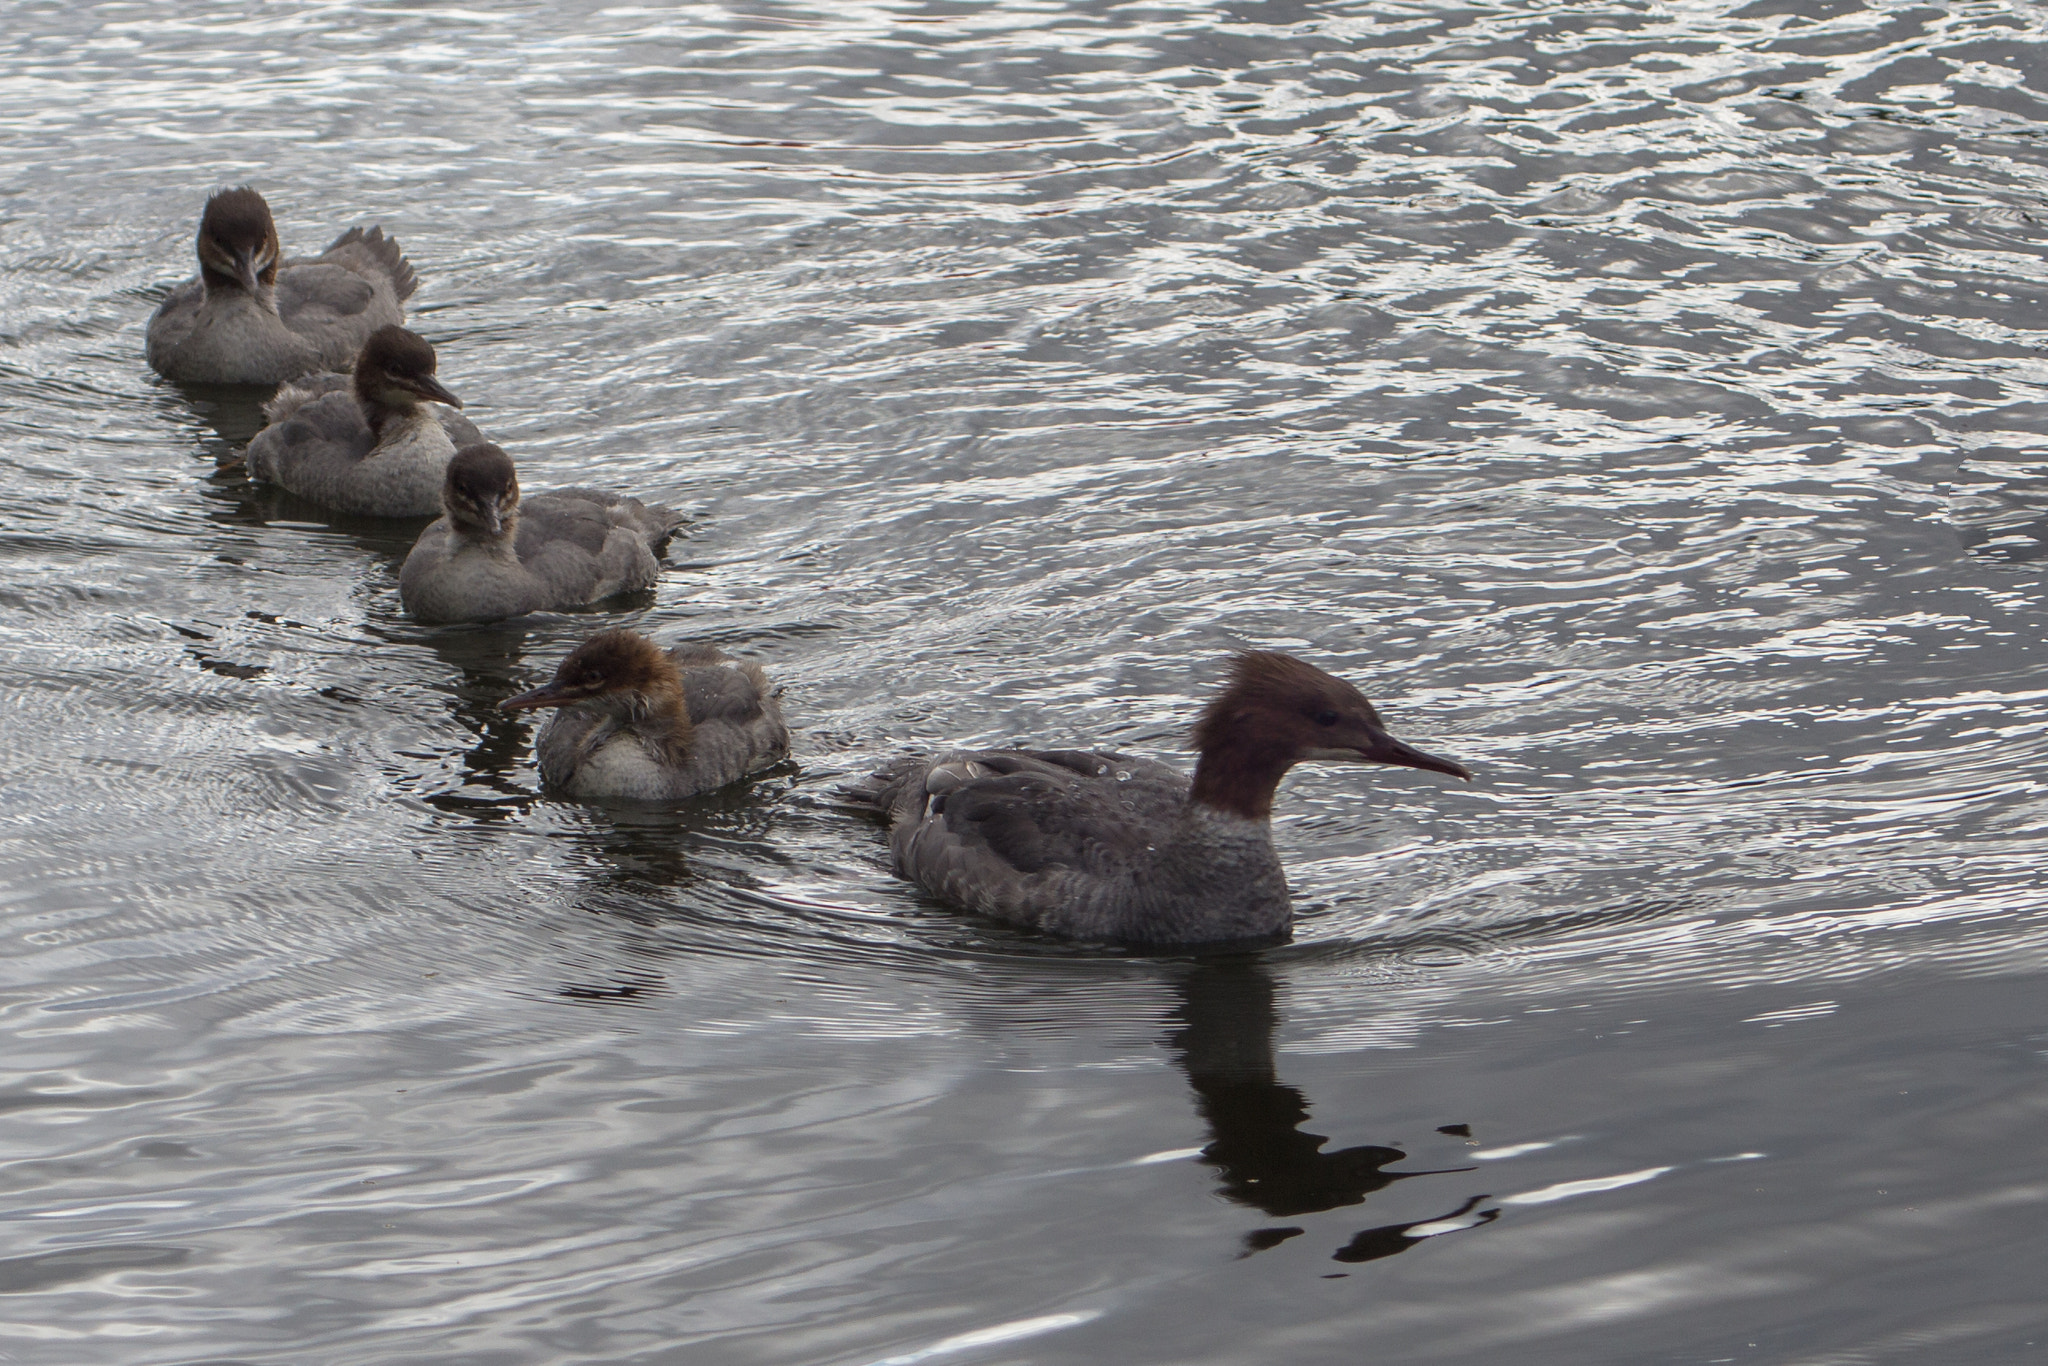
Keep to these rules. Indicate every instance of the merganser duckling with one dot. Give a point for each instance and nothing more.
(364, 443)
(1098, 845)
(252, 317)
(492, 556)
(637, 723)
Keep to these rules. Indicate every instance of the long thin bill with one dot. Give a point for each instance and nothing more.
(1387, 750)
(547, 695)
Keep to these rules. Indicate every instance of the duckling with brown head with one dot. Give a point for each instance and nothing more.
(634, 722)
(253, 317)
(366, 443)
(494, 554)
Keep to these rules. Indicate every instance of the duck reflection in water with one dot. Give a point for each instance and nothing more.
(486, 665)
(1223, 1040)
(222, 420)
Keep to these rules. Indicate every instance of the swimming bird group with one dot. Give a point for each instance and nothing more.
(1089, 844)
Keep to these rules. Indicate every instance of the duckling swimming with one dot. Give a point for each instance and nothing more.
(637, 723)
(364, 443)
(252, 317)
(493, 556)
(1098, 845)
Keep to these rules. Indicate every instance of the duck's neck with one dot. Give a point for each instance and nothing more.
(1239, 779)
(388, 419)
(663, 720)
(503, 542)
(226, 291)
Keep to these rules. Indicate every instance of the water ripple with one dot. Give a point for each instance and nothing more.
(1639, 402)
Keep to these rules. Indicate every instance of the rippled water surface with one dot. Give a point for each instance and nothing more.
(1641, 400)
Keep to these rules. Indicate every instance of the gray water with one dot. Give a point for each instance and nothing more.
(1639, 400)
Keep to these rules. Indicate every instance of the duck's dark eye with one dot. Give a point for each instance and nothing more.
(1326, 718)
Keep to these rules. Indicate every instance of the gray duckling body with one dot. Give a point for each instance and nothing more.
(252, 317)
(1099, 845)
(494, 555)
(635, 722)
(366, 443)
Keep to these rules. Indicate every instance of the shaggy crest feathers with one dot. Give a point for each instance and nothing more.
(629, 671)
(497, 552)
(237, 217)
(619, 660)
(1277, 711)
(633, 722)
(393, 367)
(1104, 845)
(253, 316)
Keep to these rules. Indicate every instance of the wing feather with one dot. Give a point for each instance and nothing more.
(368, 252)
(327, 431)
(1036, 811)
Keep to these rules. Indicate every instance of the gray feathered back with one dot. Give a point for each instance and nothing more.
(568, 548)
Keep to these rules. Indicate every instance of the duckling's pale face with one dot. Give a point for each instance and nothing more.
(481, 490)
(238, 240)
(395, 369)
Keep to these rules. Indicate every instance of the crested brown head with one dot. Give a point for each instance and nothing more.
(238, 246)
(481, 491)
(395, 370)
(1277, 711)
(612, 662)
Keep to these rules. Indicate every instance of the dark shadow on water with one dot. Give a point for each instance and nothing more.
(639, 851)
(660, 882)
(239, 501)
(234, 412)
(601, 980)
(1373, 1243)
(1264, 1159)
(489, 667)
(656, 847)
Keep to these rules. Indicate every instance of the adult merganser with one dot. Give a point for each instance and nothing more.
(252, 317)
(637, 723)
(493, 556)
(364, 443)
(1098, 845)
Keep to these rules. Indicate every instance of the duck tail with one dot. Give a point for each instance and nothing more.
(367, 251)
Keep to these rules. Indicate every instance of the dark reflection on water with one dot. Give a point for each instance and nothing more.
(1373, 1243)
(1265, 1160)
(231, 413)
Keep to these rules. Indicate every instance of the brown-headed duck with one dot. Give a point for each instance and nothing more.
(253, 317)
(1097, 845)
(639, 723)
(495, 555)
(366, 443)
